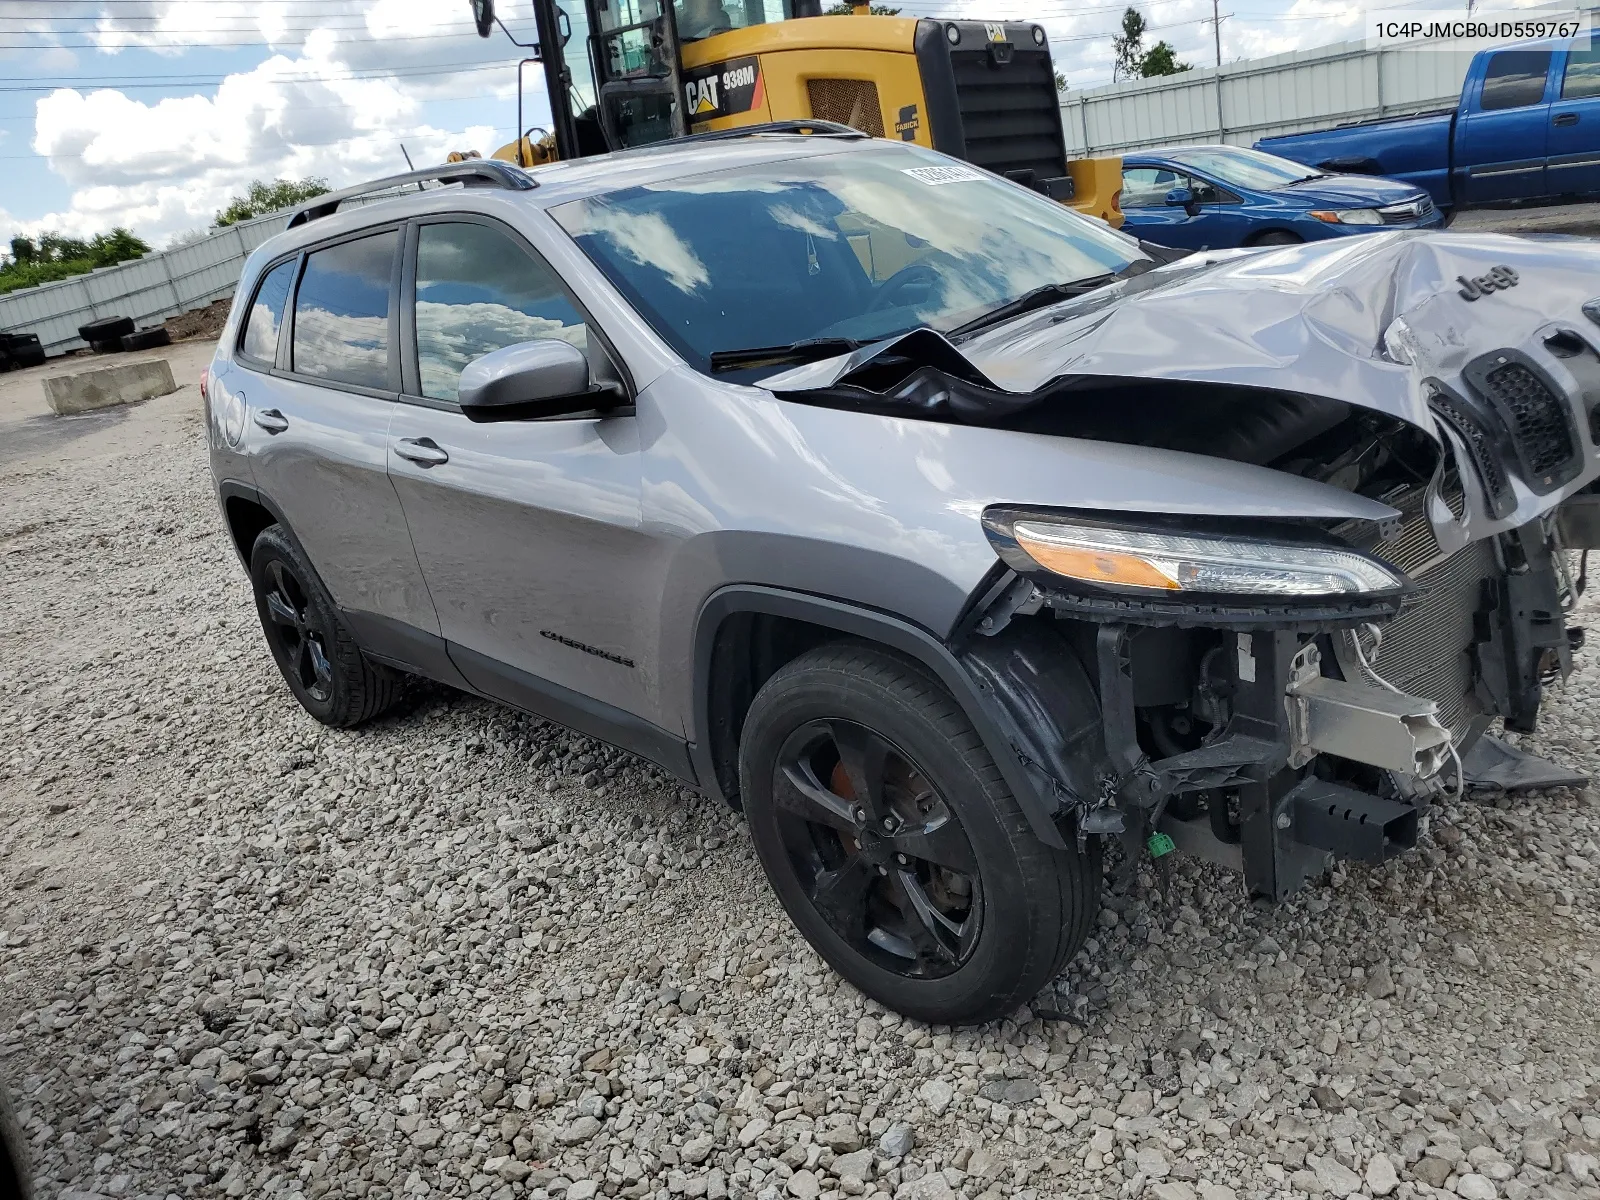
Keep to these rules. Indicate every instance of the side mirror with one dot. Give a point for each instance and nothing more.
(1181, 197)
(483, 16)
(546, 378)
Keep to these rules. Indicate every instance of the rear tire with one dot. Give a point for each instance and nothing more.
(933, 895)
(313, 648)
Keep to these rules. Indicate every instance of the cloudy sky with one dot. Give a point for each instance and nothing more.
(153, 113)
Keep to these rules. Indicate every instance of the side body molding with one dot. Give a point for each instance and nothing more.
(974, 690)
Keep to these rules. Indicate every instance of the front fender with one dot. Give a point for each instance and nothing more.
(1024, 690)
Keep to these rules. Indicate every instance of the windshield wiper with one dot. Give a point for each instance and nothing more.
(804, 351)
(1039, 297)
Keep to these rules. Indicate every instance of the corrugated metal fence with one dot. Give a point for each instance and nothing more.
(149, 289)
(1240, 102)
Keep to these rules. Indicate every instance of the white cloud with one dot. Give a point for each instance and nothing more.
(165, 166)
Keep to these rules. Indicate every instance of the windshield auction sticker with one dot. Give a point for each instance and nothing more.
(723, 89)
(937, 175)
(1448, 29)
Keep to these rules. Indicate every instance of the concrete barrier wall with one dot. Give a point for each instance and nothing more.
(149, 289)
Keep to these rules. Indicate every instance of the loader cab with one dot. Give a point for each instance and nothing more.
(626, 73)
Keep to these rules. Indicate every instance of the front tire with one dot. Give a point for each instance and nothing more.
(891, 839)
(313, 648)
(1277, 237)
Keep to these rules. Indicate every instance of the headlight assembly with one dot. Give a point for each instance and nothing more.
(1151, 563)
(1349, 216)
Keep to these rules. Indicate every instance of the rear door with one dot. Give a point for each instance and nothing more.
(1501, 138)
(528, 531)
(1574, 140)
(318, 391)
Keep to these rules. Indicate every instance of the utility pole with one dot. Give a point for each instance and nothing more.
(1216, 28)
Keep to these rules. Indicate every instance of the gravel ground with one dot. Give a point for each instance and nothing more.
(462, 952)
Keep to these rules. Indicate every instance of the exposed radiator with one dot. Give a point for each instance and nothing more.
(1426, 649)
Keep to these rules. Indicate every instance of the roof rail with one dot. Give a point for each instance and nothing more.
(798, 125)
(478, 172)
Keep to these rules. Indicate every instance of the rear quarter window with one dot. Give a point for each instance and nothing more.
(265, 318)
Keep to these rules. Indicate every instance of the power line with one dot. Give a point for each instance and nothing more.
(353, 137)
(363, 74)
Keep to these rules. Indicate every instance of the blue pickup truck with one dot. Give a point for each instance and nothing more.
(1527, 127)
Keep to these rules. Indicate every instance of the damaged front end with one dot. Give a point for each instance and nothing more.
(1272, 690)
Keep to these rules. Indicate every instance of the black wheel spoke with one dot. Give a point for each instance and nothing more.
(841, 895)
(941, 842)
(281, 611)
(321, 668)
(796, 790)
(864, 755)
(934, 935)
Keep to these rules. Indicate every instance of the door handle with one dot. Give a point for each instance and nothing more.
(272, 420)
(1567, 118)
(421, 451)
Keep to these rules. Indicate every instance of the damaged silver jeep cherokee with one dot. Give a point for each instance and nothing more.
(944, 531)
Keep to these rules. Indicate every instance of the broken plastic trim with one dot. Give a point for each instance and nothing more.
(915, 374)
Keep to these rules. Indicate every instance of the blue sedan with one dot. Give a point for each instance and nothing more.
(1216, 197)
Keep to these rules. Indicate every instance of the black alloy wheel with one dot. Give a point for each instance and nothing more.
(295, 634)
(880, 854)
(891, 839)
(319, 659)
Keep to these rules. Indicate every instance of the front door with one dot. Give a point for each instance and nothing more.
(1501, 142)
(529, 532)
(638, 71)
(317, 426)
(1574, 145)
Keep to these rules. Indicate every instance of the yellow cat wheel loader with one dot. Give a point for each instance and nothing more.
(623, 73)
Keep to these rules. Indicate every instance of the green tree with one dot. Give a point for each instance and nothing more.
(1127, 48)
(1061, 82)
(53, 256)
(1130, 60)
(262, 198)
(1162, 59)
(876, 10)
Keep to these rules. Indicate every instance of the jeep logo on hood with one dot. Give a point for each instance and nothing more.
(1495, 280)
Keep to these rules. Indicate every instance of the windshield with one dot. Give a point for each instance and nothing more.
(858, 245)
(1239, 167)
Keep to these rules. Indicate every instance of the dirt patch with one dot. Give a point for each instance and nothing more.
(202, 322)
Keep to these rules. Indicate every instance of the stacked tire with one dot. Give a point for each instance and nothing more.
(112, 334)
(105, 335)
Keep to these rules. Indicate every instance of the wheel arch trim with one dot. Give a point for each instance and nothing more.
(231, 489)
(873, 626)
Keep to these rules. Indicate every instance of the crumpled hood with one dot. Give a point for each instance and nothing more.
(1364, 320)
(1328, 319)
(1316, 318)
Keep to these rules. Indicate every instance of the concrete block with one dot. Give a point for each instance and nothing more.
(108, 386)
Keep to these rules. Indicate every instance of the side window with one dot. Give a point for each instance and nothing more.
(341, 312)
(1515, 79)
(265, 318)
(479, 290)
(1582, 79)
(1147, 187)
